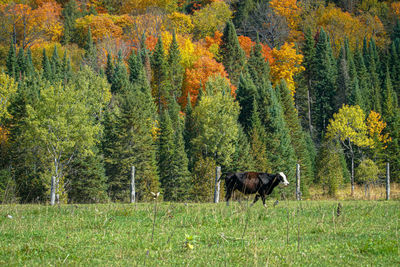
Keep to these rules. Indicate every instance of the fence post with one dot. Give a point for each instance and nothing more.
(53, 191)
(217, 184)
(387, 181)
(133, 191)
(298, 192)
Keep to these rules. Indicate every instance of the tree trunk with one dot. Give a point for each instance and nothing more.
(352, 174)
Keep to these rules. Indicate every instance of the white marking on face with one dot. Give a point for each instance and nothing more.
(285, 181)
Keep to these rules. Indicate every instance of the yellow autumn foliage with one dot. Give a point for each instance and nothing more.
(287, 62)
(348, 124)
(376, 126)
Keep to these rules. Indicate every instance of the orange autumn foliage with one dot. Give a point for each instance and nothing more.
(103, 25)
(247, 44)
(375, 126)
(33, 25)
(202, 70)
(396, 8)
(287, 9)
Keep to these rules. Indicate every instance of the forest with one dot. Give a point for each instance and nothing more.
(90, 88)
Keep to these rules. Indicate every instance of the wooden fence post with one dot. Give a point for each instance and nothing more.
(298, 192)
(217, 184)
(53, 191)
(387, 181)
(133, 191)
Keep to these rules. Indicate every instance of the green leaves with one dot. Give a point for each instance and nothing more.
(349, 124)
(216, 116)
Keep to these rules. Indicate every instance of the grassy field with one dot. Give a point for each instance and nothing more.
(366, 233)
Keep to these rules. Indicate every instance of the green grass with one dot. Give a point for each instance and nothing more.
(365, 234)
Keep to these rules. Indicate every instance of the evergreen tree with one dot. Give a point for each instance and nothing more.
(160, 73)
(109, 68)
(189, 132)
(242, 158)
(343, 80)
(297, 136)
(394, 64)
(165, 154)
(324, 70)
(232, 54)
(47, 68)
(396, 31)
(66, 70)
(329, 167)
(258, 138)
(120, 79)
(246, 94)
(257, 67)
(70, 13)
(175, 68)
(30, 69)
(242, 12)
(55, 63)
(135, 66)
(304, 82)
(364, 85)
(281, 154)
(390, 101)
(86, 179)
(90, 57)
(128, 142)
(11, 61)
(21, 64)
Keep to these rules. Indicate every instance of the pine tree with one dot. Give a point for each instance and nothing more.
(256, 65)
(55, 63)
(189, 133)
(135, 66)
(304, 82)
(364, 87)
(128, 143)
(30, 69)
(47, 68)
(86, 179)
(66, 70)
(70, 13)
(175, 176)
(297, 136)
(90, 57)
(258, 138)
(394, 64)
(396, 31)
(324, 69)
(21, 64)
(175, 68)
(281, 154)
(246, 94)
(390, 101)
(242, 12)
(232, 54)
(11, 62)
(160, 73)
(109, 68)
(343, 80)
(120, 80)
(329, 167)
(165, 155)
(242, 158)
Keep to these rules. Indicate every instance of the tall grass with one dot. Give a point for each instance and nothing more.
(366, 233)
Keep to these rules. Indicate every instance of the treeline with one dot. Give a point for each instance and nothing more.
(176, 102)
